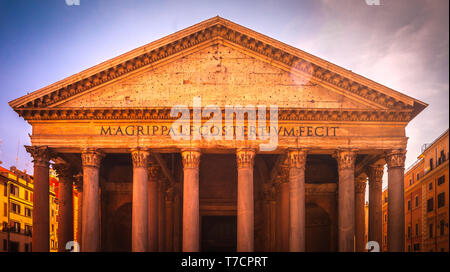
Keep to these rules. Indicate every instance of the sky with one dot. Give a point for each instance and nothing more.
(402, 44)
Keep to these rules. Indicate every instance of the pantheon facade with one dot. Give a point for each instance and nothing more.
(109, 130)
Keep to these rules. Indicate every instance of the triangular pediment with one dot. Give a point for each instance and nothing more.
(220, 75)
(224, 63)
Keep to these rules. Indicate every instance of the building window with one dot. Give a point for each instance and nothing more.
(409, 205)
(31, 197)
(441, 227)
(430, 186)
(409, 248)
(418, 176)
(27, 247)
(26, 195)
(417, 229)
(27, 212)
(410, 181)
(28, 230)
(15, 226)
(441, 200)
(431, 231)
(441, 180)
(5, 190)
(430, 205)
(431, 164)
(417, 201)
(15, 208)
(14, 190)
(5, 209)
(416, 247)
(409, 231)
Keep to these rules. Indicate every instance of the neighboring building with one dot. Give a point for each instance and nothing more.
(16, 200)
(426, 199)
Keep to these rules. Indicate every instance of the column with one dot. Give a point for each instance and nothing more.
(139, 228)
(297, 196)
(191, 220)
(273, 213)
(79, 187)
(284, 213)
(360, 218)
(375, 173)
(65, 222)
(41, 203)
(153, 176)
(162, 214)
(169, 218)
(245, 217)
(395, 160)
(346, 200)
(90, 237)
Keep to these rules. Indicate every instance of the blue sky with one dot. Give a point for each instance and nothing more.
(402, 44)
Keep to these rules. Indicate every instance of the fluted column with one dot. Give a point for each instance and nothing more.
(360, 218)
(65, 213)
(139, 228)
(245, 209)
(191, 220)
(41, 203)
(297, 212)
(346, 200)
(395, 160)
(153, 176)
(375, 173)
(90, 231)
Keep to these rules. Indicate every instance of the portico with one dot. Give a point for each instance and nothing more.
(146, 188)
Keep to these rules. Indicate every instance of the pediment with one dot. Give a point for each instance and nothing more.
(220, 75)
(224, 63)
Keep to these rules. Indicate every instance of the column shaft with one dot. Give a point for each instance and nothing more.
(191, 220)
(139, 221)
(41, 202)
(346, 200)
(360, 218)
(396, 205)
(245, 209)
(375, 173)
(297, 196)
(90, 230)
(65, 222)
(153, 175)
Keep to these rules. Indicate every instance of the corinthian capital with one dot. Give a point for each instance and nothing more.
(297, 158)
(154, 170)
(360, 185)
(191, 158)
(140, 157)
(245, 158)
(92, 158)
(375, 173)
(41, 155)
(345, 159)
(396, 158)
(64, 171)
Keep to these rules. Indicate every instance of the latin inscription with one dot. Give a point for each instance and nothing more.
(163, 130)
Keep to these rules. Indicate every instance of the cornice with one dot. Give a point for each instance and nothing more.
(284, 114)
(206, 31)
